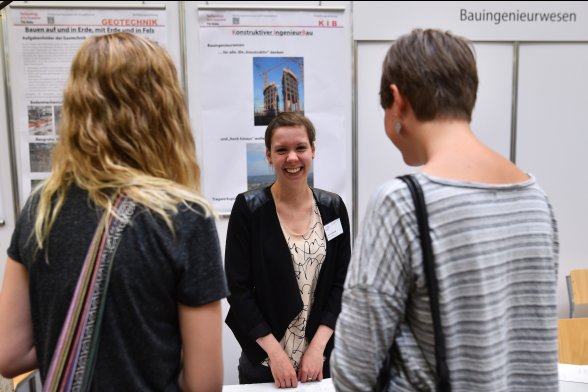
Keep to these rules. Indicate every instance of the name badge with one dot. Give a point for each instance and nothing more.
(333, 229)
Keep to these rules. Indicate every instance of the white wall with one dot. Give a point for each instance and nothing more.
(552, 138)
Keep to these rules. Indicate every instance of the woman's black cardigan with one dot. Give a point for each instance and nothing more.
(264, 291)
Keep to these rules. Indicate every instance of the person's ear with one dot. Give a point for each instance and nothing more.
(399, 100)
(268, 156)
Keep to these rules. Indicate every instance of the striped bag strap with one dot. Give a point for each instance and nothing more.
(73, 361)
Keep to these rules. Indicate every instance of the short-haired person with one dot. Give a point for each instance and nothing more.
(124, 131)
(285, 274)
(494, 239)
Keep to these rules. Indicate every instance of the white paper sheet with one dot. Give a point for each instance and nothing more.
(325, 385)
(573, 373)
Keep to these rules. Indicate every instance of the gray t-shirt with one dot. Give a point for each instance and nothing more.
(153, 270)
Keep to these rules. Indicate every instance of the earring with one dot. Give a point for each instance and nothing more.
(398, 127)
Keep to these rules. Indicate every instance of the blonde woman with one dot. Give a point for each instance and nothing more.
(124, 130)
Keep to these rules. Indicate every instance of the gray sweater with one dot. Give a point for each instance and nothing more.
(496, 256)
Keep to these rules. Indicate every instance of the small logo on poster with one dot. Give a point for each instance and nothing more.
(215, 19)
(235, 20)
(50, 20)
(327, 23)
(29, 17)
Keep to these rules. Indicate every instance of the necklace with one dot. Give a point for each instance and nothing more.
(284, 206)
(292, 232)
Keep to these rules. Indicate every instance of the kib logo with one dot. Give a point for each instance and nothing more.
(327, 23)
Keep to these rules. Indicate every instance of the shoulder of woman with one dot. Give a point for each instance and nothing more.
(390, 198)
(391, 189)
(327, 198)
(254, 199)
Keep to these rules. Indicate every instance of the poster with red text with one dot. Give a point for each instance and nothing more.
(41, 45)
(255, 64)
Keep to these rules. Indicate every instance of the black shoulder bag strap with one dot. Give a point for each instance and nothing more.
(443, 384)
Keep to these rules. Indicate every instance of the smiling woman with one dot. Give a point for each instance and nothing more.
(285, 274)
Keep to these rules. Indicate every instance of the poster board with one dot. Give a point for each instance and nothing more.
(255, 63)
(41, 43)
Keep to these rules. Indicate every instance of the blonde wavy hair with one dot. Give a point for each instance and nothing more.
(124, 129)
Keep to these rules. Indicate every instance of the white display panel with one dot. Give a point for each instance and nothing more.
(257, 63)
(378, 159)
(42, 40)
(552, 125)
(478, 20)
